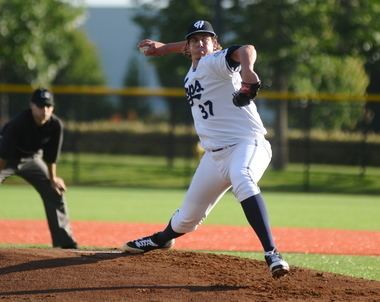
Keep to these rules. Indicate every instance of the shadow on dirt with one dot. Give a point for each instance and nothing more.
(83, 259)
(190, 288)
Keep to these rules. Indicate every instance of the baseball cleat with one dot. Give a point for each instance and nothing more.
(277, 266)
(73, 245)
(145, 244)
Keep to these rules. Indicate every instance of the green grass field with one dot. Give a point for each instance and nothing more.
(106, 170)
(318, 210)
(354, 212)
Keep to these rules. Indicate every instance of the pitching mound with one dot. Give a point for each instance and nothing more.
(59, 275)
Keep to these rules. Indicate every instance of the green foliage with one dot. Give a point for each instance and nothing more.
(274, 27)
(357, 25)
(330, 74)
(287, 33)
(34, 39)
(290, 33)
(41, 45)
(133, 107)
(83, 66)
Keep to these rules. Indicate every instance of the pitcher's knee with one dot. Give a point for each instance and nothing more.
(244, 189)
(244, 184)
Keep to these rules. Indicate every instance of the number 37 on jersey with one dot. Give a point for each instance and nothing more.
(195, 92)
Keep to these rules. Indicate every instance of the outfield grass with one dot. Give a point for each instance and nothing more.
(353, 212)
(367, 267)
(156, 172)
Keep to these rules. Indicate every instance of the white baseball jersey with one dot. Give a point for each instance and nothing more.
(218, 122)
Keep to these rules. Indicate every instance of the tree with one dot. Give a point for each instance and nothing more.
(41, 45)
(330, 74)
(286, 33)
(83, 68)
(291, 34)
(133, 107)
(357, 24)
(34, 38)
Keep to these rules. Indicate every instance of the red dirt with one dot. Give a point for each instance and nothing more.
(61, 275)
(207, 237)
(175, 275)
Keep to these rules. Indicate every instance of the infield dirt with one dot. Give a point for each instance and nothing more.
(176, 275)
(66, 275)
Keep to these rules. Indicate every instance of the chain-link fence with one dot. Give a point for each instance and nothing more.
(144, 138)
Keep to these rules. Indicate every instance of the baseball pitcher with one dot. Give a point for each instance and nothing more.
(221, 86)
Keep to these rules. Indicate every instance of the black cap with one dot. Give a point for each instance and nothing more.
(200, 26)
(42, 97)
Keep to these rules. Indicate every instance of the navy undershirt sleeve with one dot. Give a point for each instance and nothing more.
(232, 63)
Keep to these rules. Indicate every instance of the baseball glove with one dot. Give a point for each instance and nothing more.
(246, 94)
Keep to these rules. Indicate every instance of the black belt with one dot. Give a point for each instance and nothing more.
(220, 149)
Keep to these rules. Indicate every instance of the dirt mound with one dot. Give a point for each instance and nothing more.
(60, 275)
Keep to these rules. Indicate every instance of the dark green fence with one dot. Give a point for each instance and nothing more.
(126, 138)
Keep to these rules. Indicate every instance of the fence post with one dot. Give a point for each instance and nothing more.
(4, 109)
(307, 153)
(76, 158)
(280, 152)
(170, 150)
(365, 126)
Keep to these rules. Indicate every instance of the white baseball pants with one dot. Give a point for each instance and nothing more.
(240, 167)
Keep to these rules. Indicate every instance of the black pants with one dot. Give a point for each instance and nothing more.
(35, 171)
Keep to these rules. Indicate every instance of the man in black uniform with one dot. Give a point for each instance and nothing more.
(30, 144)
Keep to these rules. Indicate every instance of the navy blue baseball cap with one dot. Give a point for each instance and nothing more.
(200, 26)
(42, 97)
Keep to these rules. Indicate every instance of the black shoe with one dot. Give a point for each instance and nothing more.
(144, 245)
(277, 266)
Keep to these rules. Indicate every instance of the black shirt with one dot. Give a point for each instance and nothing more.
(21, 137)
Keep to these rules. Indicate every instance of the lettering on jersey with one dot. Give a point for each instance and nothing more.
(193, 92)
